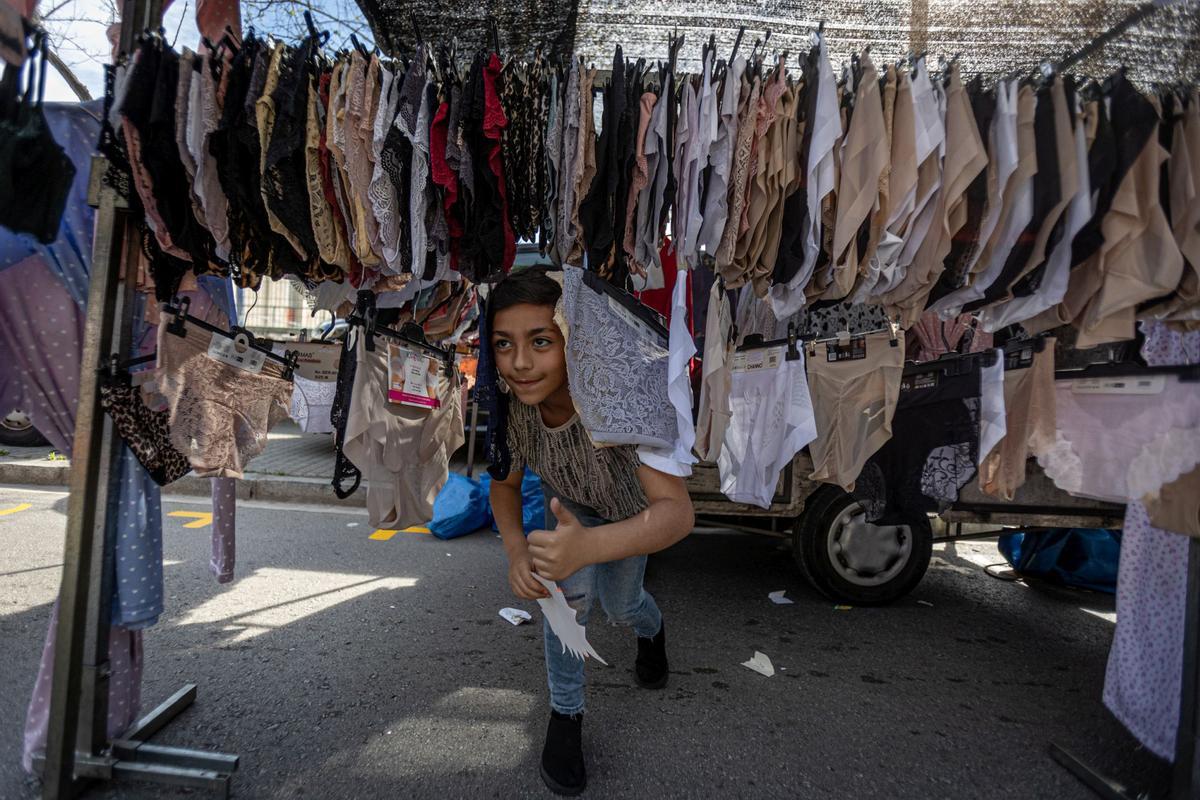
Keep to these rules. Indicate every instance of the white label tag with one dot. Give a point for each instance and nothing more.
(632, 320)
(1146, 384)
(225, 350)
(409, 374)
(758, 358)
(316, 361)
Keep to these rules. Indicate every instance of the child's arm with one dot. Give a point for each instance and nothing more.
(571, 546)
(506, 508)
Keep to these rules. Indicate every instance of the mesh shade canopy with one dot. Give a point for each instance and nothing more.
(992, 37)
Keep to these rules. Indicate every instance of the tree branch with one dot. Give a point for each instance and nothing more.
(77, 86)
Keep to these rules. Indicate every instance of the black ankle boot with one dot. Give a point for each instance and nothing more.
(562, 756)
(651, 668)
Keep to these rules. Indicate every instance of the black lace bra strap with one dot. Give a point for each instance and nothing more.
(339, 416)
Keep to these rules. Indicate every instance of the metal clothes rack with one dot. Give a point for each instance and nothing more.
(78, 748)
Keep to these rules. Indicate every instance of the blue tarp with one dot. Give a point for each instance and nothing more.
(1081, 557)
(462, 506)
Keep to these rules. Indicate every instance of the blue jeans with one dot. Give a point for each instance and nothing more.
(618, 585)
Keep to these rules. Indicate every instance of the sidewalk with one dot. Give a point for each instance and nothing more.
(296, 467)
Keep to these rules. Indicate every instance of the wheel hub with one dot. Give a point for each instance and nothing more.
(865, 553)
(16, 421)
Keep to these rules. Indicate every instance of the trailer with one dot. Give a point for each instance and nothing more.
(852, 560)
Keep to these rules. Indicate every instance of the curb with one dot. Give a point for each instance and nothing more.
(255, 486)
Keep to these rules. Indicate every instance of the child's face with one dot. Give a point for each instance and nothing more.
(529, 351)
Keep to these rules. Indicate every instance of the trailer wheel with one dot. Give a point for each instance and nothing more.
(849, 559)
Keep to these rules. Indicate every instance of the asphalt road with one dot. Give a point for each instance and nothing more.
(343, 666)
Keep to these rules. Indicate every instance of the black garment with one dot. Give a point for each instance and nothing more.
(626, 145)
(235, 148)
(671, 92)
(339, 416)
(285, 180)
(493, 402)
(481, 258)
(1119, 141)
(598, 209)
(35, 174)
(935, 442)
(795, 206)
(149, 107)
(1030, 283)
(1047, 189)
(965, 243)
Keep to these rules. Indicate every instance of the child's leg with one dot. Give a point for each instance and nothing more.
(564, 672)
(625, 600)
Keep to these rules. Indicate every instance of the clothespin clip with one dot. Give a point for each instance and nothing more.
(894, 326)
(365, 312)
(793, 354)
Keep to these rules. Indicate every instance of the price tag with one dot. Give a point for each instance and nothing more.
(1146, 384)
(412, 377)
(853, 350)
(316, 361)
(758, 359)
(236, 353)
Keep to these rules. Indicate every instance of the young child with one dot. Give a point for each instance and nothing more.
(611, 511)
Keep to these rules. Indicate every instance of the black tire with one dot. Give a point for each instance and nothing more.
(18, 432)
(818, 533)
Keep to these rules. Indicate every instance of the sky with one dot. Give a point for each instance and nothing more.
(78, 33)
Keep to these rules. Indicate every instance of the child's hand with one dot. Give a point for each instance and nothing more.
(560, 553)
(520, 578)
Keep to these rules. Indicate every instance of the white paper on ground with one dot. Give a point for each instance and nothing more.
(515, 615)
(778, 599)
(562, 621)
(760, 664)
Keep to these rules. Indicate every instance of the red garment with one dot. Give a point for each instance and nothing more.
(356, 270)
(445, 177)
(494, 123)
(660, 299)
(213, 15)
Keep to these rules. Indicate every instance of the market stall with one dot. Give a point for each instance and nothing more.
(855, 285)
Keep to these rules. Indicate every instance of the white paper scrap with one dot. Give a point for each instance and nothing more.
(515, 615)
(760, 664)
(778, 599)
(562, 621)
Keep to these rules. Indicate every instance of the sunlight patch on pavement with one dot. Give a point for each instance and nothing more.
(273, 598)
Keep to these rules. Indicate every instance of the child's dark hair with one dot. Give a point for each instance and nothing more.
(530, 286)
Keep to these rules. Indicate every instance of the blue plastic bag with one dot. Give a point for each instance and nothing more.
(533, 502)
(1081, 557)
(461, 507)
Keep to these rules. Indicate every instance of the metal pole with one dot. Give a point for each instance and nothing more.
(79, 687)
(82, 511)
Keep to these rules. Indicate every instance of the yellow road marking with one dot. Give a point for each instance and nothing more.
(199, 519)
(383, 534)
(21, 507)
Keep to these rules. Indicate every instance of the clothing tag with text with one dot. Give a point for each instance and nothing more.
(1146, 384)
(316, 361)
(411, 377)
(225, 350)
(853, 350)
(758, 359)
